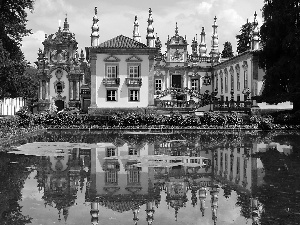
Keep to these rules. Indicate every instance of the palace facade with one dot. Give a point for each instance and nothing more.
(125, 73)
(61, 71)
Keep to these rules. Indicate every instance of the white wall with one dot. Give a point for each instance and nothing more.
(9, 106)
(122, 98)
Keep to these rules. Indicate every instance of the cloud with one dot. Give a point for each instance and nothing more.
(204, 8)
(31, 44)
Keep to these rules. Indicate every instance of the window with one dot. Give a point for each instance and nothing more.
(238, 83)
(111, 177)
(59, 87)
(195, 84)
(44, 89)
(238, 167)
(133, 151)
(111, 71)
(221, 79)
(231, 81)
(133, 176)
(111, 95)
(158, 84)
(134, 95)
(111, 152)
(226, 82)
(245, 79)
(134, 72)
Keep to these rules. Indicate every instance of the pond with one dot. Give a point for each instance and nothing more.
(210, 177)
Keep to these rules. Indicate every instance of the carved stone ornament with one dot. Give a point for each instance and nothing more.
(59, 56)
(157, 72)
(59, 74)
(177, 55)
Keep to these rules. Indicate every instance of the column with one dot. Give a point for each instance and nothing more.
(78, 89)
(41, 89)
(185, 82)
(94, 85)
(168, 80)
(47, 90)
(71, 97)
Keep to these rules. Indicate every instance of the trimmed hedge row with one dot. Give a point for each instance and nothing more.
(25, 121)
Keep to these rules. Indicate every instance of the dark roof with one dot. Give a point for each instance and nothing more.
(122, 42)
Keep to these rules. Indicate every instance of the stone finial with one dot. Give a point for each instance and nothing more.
(255, 34)
(150, 31)
(215, 40)
(136, 32)
(202, 45)
(95, 30)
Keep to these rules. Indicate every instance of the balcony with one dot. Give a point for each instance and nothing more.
(133, 82)
(232, 106)
(111, 82)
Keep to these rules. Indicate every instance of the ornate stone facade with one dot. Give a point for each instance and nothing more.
(61, 70)
(174, 79)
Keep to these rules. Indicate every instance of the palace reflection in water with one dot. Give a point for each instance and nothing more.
(125, 177)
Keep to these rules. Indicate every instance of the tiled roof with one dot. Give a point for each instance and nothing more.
(122, 42)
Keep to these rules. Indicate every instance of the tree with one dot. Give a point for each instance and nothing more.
(244, 38)
(227, 51)
(13, 78)
(280, 55)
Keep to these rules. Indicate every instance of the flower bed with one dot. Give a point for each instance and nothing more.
(24, 122)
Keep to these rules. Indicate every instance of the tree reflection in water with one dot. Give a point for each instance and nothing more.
(14, 171)
(134, 171)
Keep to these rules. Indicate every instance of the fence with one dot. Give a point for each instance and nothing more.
(9, 106)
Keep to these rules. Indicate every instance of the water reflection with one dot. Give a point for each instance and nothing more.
(164, 181)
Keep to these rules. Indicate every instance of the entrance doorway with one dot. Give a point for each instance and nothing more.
(60, 104)
(176, 81)
(86, 105)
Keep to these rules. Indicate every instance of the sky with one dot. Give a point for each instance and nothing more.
(117, 16)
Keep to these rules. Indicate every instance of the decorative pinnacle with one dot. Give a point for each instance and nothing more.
(150, 19)
(176, 29)
(255, 20)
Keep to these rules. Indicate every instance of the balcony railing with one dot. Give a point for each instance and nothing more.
(237, 106)
(175, 103)
(111, 82)
(133, 82)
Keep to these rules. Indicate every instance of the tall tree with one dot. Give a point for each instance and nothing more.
(12, 30)
(227, 51)
(280, 56)
(244, 38)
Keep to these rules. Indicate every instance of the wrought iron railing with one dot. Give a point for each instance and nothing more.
(111, 82)
(133, 82)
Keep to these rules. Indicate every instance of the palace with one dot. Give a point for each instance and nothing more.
(126, 74)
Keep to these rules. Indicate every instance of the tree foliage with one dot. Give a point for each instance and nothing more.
(244, 38)
(14, 81)
(227, 51)
(280, 56)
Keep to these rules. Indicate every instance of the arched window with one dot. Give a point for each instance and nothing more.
(59, 87)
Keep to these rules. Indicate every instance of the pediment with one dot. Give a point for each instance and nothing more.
(111, 58)
(134, 58)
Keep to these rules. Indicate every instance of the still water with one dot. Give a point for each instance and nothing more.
(134, 178)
